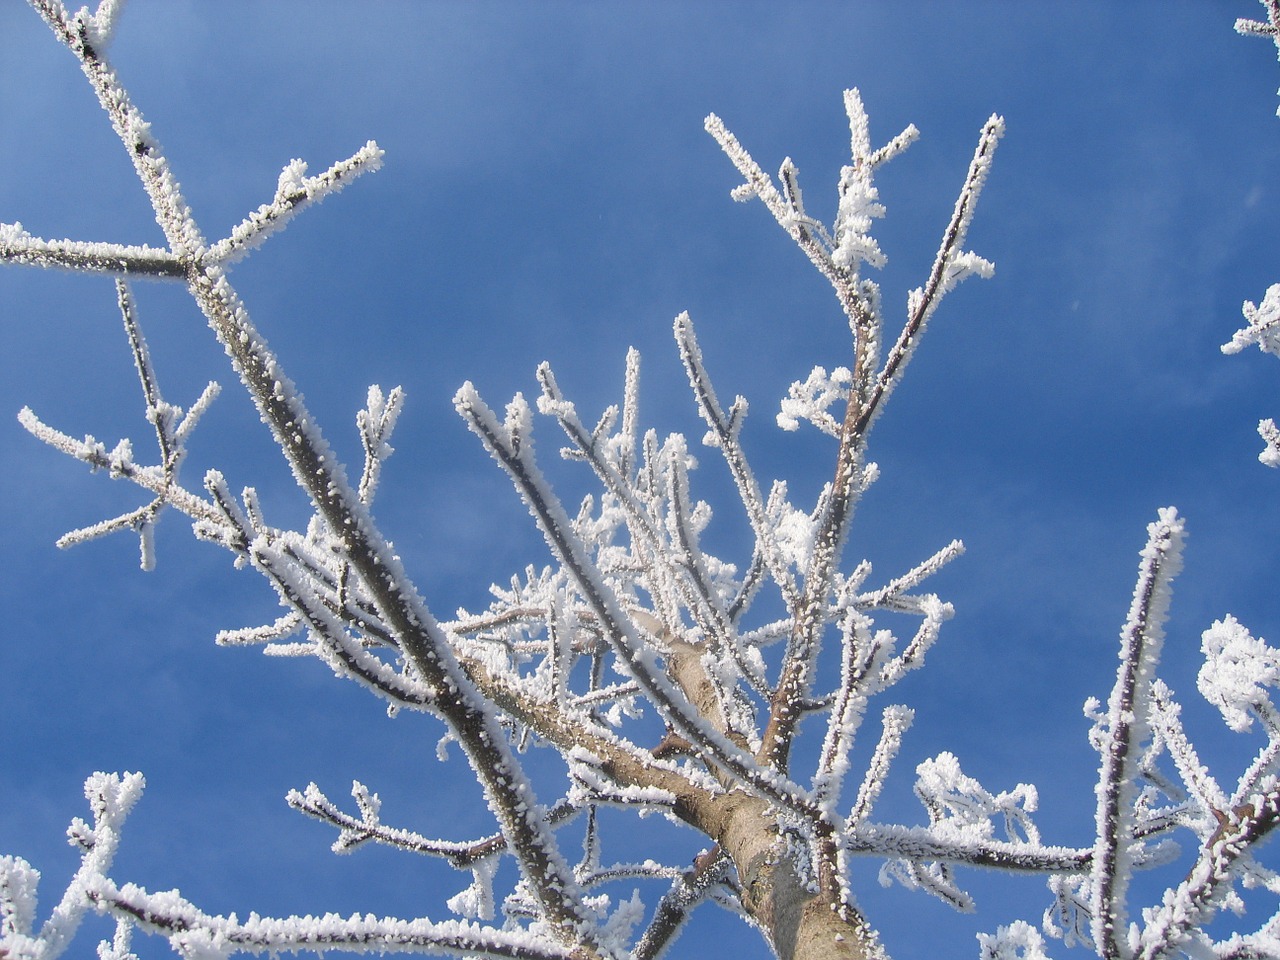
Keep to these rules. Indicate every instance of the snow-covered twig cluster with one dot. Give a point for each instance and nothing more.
(634, 617)
(1153, 787)
(193, 933)
(1262, 320)
(1263, 329)
(666, 679)
(1141, 802)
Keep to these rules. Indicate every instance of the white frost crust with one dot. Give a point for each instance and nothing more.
(1262, 325)
(1018, 941)
(1237, 673)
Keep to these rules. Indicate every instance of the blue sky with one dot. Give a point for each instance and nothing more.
(549, 193)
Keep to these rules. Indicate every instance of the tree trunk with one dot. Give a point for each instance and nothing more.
(800, 920)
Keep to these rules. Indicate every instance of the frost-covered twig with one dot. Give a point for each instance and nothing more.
(710, 870)
(870, 384)
(893, 595)
(634, 591)
(1262, 320)
(951, 265)
(172, 429)
(1139, 806)
(111, 798)
(896, 721)
(924, 845)
(1262, 328)
(295, 191)
(369, 827)
(863, 655)
(511, 445)
(148, 263)
(723, 433)
(1126, 725)
(1256, 28)
(1197, 899)
(194, 933)
(676, 571)
(337, 504)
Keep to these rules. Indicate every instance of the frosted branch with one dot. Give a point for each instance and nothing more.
(111, 798)
(1262, 325)
(1270, 433)
(592, 785)
(368, 826)
(298, 591)
(93, 453)
(1018, 941)
(101, 23)
(510, 444)
(337, 505)
(676, 570)
(892, 596)
(1165, 718)
(1127, 724)
(1238, 671)
(634, 592)
(1177, 922)
(1262, 328)
(862, 654)
(896, 721)
(295, 191)
(193, 932)
(281, 629)
(711, 869)
(723, 433)
(950, 266)
(148, 263)
(1256, 28)
(376, 423)
(923, 845)
(836, 252)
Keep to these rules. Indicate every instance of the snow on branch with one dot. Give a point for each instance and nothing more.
(1018, 941)
(636, 618)
(1262, 328)
(172, 428)
(711, 870)
(111, 798)
(1237, 670)
(951, 265)
(635, 594)
(511, 445)
(363, 556)
(1140, 807)
(295, 191)
(1126, 724)
(148, 263)
(193, 933)
(862, 388)
(848, 242)
(1262, 325)
(1270, 28)
(635, 591)
(723, 434)
(101, 24)
(964, 813)
(369, 827)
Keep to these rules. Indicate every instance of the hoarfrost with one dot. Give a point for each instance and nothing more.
(1018, 941)
(1237, 671)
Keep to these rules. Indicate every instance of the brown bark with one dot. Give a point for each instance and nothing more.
(801, 922)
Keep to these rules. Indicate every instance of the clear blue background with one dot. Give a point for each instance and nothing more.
(549, 193)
